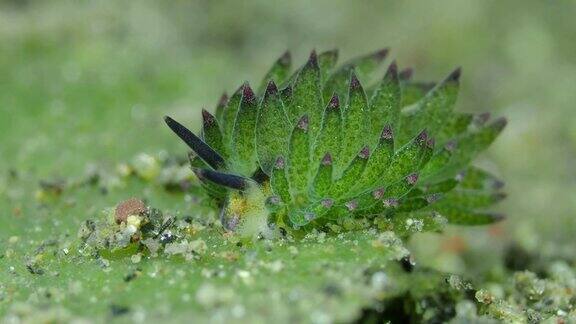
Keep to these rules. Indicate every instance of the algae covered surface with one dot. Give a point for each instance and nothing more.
(84, 86)
(190, 270)
(198, 274)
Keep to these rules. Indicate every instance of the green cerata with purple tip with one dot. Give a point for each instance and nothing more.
(336, 148)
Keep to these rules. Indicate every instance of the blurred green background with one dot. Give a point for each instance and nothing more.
(89, 81)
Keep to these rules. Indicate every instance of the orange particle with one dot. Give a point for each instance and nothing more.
(496, 230)
(454, 244)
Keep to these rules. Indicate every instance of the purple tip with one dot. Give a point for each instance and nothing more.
(381, 54)
(327, 202)
(286, 92)
(207, 117)
(378, 193)
(364, 152)
(460, 176)
(390, 202)
(433, 198)
(406, 74)
(334, 102)
(392, 72)
(232, 223)
(430, 142)
(327, 159)
(454, 76)
(451, 145)
(387, 133)
(279, 164)
(422, 137)
(498, 217)
(354, 82)
(271, 88)
(223, 100)
(248, 94)
(274, 200)
(309, 216)
(313, 59)
(285, 59)
(303, 123)
(412, 178)
(497, 184)
(351, 205)
(499, 196)
(481, 119)
(499, 123)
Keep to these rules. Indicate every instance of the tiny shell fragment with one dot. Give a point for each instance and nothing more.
(132, 206)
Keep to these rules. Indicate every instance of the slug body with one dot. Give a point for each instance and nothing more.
(322, 147)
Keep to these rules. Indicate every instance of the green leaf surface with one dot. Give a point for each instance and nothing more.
(412, 92)
(455, 125)
(306, 95)
(472, 198)
(385, 103)
(355, 124)
(471, 144)
(413, 204)
(272, 129)
(205, 283)
(323, 179)
(351, 174)
(369, 199)
(298, 164)
(406, 160)
(327, 61)
(461, 216)
(442, 186)
(229, 117)
(302, 217)
(437, 163)
(212, 134)
(432, 111)
(329, 138)
(476, 178)
(278, 180)
(244, 155)
(379, 160)
(399, 189)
